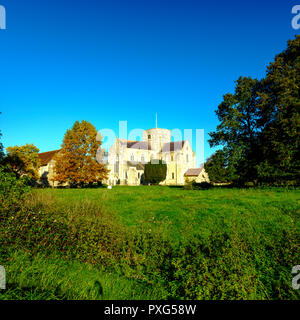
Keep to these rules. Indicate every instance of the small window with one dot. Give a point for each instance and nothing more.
(132, 157)
(173, 175)
(138, 175)
(149, 136)
(143, 158)
(172, 158)
(187, 158)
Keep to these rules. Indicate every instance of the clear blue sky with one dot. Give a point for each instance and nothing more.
(105, 61)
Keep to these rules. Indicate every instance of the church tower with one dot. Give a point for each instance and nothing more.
(157, 138)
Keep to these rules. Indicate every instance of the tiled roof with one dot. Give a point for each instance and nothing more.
(193, 172)
(141, 145)
(46, 157)
(172, 146)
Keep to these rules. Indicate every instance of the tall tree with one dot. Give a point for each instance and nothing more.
(23, 160)
(1, 148)
(76, 163)
(280, 108)
(219, 168)
(239, 129)
(260, 123)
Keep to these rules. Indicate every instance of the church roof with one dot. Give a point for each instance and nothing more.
(173, 146)
(46, 157)
(193, 172)
(141, 145)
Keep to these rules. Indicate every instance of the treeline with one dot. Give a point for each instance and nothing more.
(77, 164)
(259, 127)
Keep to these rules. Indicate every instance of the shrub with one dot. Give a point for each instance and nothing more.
(202, 185)
(188, 185)
(12, 190)
(155, 172)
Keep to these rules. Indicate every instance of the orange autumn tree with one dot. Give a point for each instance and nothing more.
(76, 163)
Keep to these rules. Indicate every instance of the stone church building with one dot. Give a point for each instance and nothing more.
(126, 159)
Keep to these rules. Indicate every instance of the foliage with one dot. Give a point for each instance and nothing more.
(201, 185)
(280, 108)
(23, 160)
(219, 168)
(188, 184)
(193, 185)
(12, 190)
(76, 163)
(238, 132)
(260, 126)
(1, 148)
(217, 244)
(155, 172)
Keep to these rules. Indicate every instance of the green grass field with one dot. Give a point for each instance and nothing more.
(152, 243)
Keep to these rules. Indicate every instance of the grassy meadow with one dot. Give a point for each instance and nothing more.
(151, 242)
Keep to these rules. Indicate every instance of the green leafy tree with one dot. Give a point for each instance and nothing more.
(12, 190)
(238, 130)
(260, 123)
(155, 172)
(23, 160)
(1, 148)
(280, 110)
(76, 163)
(219, 169)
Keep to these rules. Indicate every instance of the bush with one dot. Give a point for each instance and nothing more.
(201, 185)
(12, 190)
(155, 172)
(188, 185)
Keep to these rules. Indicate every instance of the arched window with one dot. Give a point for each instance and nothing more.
(187, 158)
(142, 158)
(132, 158)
